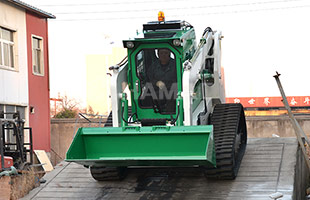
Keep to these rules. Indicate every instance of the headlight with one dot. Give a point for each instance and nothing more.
(130, 45)
(176, 42)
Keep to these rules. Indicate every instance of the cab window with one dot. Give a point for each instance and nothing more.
(156, 71)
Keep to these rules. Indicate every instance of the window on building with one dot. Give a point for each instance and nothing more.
(37, 55)
(6, 48)
(12, 109)
(21, 110)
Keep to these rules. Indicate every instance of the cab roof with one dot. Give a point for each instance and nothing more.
(162, 31)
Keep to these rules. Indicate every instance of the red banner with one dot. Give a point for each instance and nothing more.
(248, 102)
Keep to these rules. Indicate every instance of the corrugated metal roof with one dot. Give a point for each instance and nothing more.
(31, 8)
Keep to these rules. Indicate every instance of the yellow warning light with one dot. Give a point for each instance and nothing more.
(161, 16)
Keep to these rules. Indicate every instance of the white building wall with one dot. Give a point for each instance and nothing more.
(14, 83)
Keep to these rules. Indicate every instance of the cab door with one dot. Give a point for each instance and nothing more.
(149, 100)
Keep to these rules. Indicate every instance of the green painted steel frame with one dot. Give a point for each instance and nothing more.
(143, 146)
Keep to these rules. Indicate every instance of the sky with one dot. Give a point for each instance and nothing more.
(260, 38)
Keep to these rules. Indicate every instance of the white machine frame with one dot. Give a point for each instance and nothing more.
(119, 83)
(192, 69)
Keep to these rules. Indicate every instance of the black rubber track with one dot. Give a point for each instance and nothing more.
(109, 173)
(230, 138)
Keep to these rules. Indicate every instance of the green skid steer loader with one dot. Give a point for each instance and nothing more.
(178, 115)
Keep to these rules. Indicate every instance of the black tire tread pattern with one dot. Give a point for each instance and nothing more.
(228, 120)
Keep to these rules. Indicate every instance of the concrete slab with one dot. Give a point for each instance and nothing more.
(270, 165)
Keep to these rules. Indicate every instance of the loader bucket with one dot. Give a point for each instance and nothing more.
(143, 146)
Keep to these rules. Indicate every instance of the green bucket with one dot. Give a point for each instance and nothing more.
(143, 146)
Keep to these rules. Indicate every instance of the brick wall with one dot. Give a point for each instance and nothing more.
(5, 188)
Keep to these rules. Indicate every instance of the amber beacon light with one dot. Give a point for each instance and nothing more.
(161, 16)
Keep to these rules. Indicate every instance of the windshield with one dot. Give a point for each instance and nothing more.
(156, 70)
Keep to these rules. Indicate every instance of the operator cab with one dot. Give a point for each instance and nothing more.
(155, 67)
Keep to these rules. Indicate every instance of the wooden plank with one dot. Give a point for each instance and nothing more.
(263, 157)
(85, 195)
(73, 175)
(76, 170)
(74, 166)
(69, 190)
(259, 173)
(258, 169)
(261, 160)
(74, 179)
(261, 165)
(43, 159)
(53, 198)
